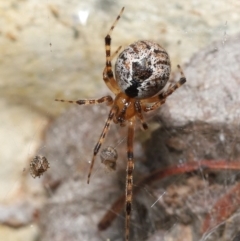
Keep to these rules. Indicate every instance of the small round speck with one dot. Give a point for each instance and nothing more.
(38, 166)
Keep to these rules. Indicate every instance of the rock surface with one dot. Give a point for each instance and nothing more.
(55, 49)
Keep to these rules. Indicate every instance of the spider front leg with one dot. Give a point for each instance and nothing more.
(129, 177)
(108, 73)
(108, 99)
(112, 86)
(101, 140)
(161, 98)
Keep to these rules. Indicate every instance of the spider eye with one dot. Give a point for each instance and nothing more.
(142, 69)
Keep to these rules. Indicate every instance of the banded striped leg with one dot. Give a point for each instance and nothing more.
(108, 73)
(129, 178)
(101, 139)
(112, 86)
(115, 53)
(161, 98)
(154, 106)
(138, 109)
(108, 99)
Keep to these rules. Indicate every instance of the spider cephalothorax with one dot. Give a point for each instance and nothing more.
(142, 70)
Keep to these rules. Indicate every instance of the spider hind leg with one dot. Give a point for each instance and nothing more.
(161, 98)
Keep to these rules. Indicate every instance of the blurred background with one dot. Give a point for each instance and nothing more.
(55, 49)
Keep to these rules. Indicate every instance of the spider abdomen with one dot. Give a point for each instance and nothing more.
(142, 69)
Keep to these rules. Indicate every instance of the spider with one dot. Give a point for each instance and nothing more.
(141, 72)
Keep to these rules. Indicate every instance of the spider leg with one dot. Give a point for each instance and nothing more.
(112, 86)
(108, 99)
(101, 139)
(108, 73)
(138, 109)
(115, 53)
(129, 178)
(161, 98)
